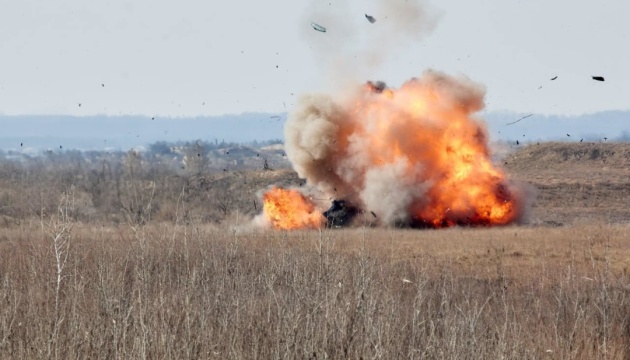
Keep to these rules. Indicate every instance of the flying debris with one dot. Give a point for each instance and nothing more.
(568, 135)
(370, 18)
(524, 117)
(581, 140)
(605, 138)
(598, 78)
(102, 85)
(517, 143)
(377, 86)
(318, 27)
(554, 78)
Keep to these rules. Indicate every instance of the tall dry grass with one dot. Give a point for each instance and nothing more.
(187, 291)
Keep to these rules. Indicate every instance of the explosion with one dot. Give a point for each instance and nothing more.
(412, 156)
(289, 209)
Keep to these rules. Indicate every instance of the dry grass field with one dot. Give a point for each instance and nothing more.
(171, 283)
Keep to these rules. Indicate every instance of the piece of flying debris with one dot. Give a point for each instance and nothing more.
(318, 27)
(598, 78)
(554, 78)
(524, 117)
(370, 18)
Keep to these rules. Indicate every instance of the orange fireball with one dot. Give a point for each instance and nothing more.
(425, 126)
(415, 155)
(289, 209)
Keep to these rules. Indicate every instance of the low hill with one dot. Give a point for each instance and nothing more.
(575, 182)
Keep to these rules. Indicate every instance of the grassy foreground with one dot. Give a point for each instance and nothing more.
(186, 291)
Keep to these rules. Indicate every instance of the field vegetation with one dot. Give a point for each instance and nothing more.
(126, 258)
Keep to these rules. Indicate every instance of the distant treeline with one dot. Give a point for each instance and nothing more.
(166, 147)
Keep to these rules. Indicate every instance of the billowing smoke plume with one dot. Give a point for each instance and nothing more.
(352, 47)
(414, 155)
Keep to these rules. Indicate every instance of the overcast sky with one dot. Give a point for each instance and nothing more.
(194, 57)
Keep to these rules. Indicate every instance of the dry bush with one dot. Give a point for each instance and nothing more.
(121, 187)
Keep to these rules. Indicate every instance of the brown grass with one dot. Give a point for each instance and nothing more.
(186, 291)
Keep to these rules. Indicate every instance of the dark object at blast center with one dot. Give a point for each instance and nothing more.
(598, 78)
(340, 213)
(377, 86)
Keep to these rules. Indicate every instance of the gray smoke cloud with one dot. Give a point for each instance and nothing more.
(352, 47)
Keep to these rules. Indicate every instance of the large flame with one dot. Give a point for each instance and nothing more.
(289, 209)
(414, 155)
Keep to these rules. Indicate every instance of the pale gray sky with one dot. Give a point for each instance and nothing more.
(167, 58)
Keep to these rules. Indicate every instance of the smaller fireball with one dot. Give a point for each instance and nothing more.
(288, 210)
